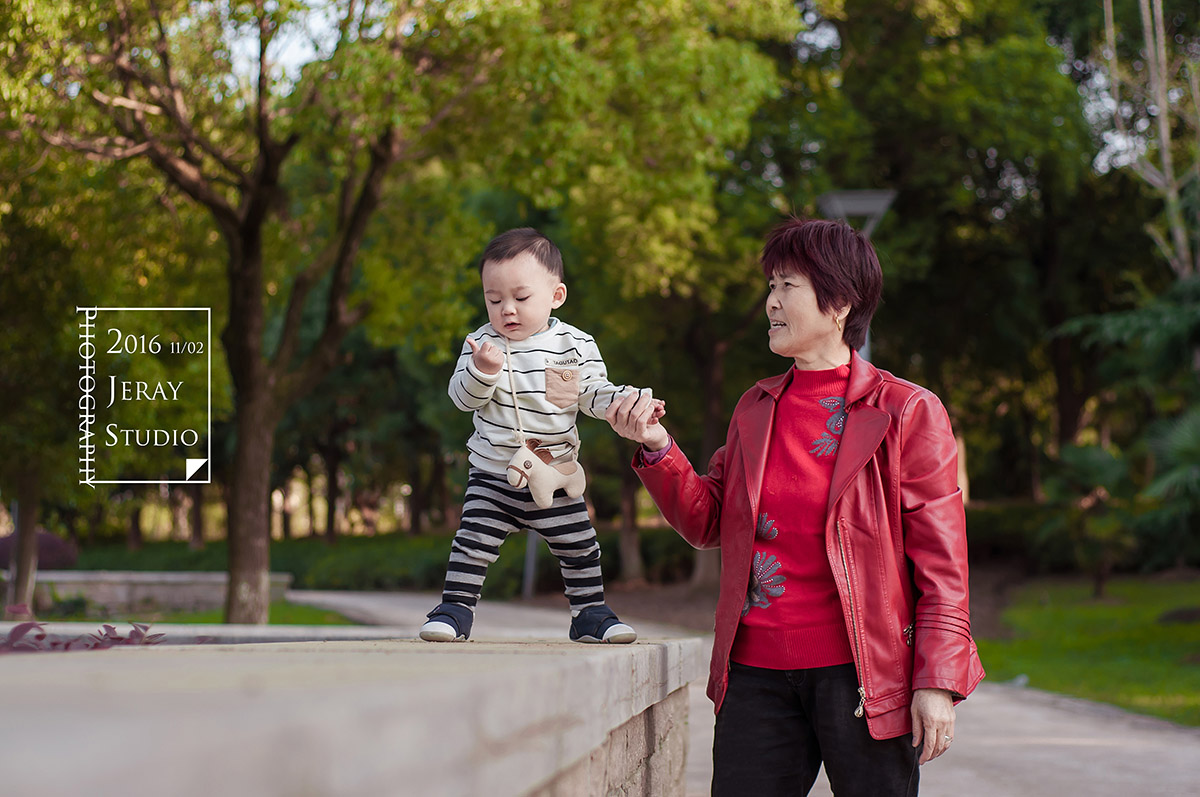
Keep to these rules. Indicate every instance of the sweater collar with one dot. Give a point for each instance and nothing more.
(864, 378)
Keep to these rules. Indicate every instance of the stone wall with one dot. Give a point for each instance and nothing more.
(645, 756)
(131, 591)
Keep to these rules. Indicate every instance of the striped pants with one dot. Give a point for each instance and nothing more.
(492, 509)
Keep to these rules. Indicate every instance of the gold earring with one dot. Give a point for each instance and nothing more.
(839, 324)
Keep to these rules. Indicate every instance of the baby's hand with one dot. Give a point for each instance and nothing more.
(487, 358)
(660, 409)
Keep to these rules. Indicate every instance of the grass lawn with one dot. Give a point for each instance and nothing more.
(1115, 650)
(281, 613)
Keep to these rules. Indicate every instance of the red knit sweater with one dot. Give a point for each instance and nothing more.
(792, 617)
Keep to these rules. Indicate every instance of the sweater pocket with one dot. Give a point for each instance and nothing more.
(562, 387)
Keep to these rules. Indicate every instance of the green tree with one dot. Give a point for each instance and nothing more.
(1177, 482)
(55, 212)
(1168, 88)
(38, 378)
(391, 96)
(1098, 502)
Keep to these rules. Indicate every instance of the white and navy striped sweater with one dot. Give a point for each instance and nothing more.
(557, 373)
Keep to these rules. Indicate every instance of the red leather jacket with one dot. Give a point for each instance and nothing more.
(895, 535)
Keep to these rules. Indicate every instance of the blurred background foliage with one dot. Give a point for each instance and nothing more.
(1026, 281)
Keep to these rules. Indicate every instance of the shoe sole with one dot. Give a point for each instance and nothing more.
(441, 633)
(619, 638)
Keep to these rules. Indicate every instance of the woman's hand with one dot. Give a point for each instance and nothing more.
(635, 418)
(932, 722)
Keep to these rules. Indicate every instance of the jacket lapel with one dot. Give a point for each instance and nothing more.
(865, 430)
(754, 428)
(866, 427)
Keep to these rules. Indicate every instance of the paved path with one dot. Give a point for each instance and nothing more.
(493, 620)
(1011, 741)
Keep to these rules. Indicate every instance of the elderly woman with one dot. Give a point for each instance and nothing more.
(842, 630)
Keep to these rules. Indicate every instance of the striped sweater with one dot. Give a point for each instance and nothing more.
(557, 374)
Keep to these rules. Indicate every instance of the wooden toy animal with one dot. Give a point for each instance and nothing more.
(531, 466)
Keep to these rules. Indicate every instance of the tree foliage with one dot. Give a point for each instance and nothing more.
(292, 163)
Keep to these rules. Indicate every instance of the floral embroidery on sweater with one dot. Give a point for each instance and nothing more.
(766, 528)
(765, 582)
(827, 445)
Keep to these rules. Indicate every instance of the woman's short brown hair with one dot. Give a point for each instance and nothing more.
(840, 263)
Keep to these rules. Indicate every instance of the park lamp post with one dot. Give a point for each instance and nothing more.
(867, 205)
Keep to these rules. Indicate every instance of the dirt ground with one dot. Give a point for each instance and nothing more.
(680, 605)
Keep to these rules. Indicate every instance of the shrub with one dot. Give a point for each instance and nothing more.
(54, 553)
(31, 637)
(397, 561)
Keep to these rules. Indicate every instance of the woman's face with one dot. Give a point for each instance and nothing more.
(798, 327)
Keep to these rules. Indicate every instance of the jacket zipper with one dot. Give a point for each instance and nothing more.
(862, 693)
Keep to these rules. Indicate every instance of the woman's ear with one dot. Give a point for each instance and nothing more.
(840, 315)
(559, 296)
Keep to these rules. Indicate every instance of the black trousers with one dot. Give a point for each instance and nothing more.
(776, 727)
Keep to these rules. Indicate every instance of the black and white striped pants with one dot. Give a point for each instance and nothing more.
(492, 509)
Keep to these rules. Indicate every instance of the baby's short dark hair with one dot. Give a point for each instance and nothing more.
(508, 245)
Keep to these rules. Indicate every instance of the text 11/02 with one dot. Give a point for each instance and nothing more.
(140, 344)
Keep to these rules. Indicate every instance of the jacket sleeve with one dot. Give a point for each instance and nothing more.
(471, 388)
(596, 392)
(934, 525)
(691, 503)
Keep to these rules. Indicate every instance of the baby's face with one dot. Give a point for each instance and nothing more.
(520, 295)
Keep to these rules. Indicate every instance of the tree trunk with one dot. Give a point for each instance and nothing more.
(439, 491)
(94, 518)
(29, 495)
(633, 570)
(179, 515)
(196, 523)
(312, 507)
(133, 541)
(416, 502)
(1035, 455)
(333, 490)
(71, 521)
(285, 519)
(1071, 393)
(247, 599)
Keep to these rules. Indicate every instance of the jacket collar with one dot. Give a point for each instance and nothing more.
(775, 385)
(864, 379)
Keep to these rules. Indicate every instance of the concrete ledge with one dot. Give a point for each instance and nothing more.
(133, 590)
(345, 718)
(223, 634)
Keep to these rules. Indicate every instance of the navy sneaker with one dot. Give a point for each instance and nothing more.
(599, 624)
(448, 622)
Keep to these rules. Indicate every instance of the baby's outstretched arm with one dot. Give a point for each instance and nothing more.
(631, 418)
